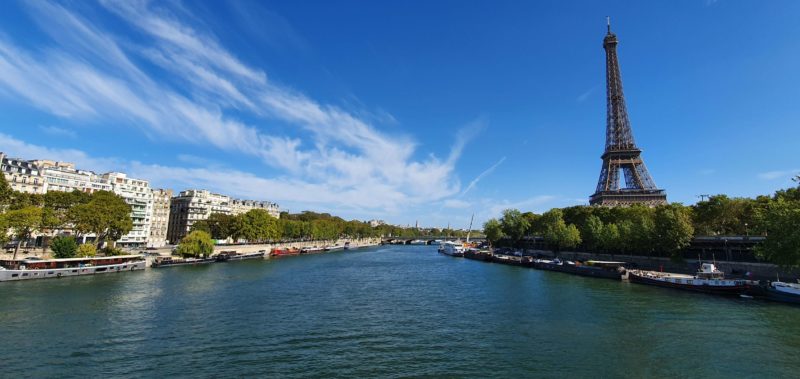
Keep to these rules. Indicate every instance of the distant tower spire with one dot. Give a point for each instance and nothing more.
(608, 23)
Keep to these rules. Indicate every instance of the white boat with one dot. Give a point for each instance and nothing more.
(418, 242)
(453, 249)
(23, 269)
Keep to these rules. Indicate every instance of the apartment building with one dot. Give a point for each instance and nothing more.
(138, 194)
(22, 175)
(159, 223)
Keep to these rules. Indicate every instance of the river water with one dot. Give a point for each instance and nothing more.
(394, 311)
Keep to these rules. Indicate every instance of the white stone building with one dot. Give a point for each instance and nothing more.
(159, 223)
(139, 196)
(22, 175)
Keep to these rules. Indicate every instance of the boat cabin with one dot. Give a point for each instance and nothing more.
(709, 271)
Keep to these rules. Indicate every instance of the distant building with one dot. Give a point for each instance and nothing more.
(159, 223)
(191, 206)
(22, 175)
(62, 176)
(375, 223)
(139, 196)
(239, 206)
(194, 205)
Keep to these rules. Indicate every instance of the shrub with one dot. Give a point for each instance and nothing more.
(87, 250)
(64, 247)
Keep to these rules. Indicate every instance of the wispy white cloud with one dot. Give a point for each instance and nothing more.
(89, 73)
(478, 178)
(55, 131)
(779, 174)
(17, 148)
(585, 94)
(456, 203)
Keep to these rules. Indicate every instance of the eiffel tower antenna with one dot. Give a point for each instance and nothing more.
(621, 152)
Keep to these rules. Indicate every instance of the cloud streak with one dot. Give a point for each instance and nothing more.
(86, 72)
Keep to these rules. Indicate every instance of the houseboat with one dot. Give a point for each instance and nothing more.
(173, 261)
(708, 279)
(226, 256)
(312, 250)
(285, 252)
(453, 249)
(23, 269)
(597, 269)
(777, 291)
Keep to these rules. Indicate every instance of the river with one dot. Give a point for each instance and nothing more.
(392, 311)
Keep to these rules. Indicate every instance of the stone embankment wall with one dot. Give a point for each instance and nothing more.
(758, 270)
(354, 243)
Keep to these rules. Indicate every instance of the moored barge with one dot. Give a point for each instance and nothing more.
(708, 280)
(172, 261)
(226, 256)
(596, 269)
(285, 252)
(23, 269)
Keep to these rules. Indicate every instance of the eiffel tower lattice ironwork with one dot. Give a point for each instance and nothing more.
(621, 154)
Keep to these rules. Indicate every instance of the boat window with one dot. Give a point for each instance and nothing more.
(101, 269)
(25, 274)
(74, 270)
(125, 266)
(14, 275)
(49, 273)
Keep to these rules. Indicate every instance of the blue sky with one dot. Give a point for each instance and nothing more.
(404, 111)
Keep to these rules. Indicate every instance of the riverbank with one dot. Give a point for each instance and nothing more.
(240, 248)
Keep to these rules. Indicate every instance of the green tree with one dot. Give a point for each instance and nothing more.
(87, 250)
(610, 241)
(257, 226)
(64, 247)
(493, 231)
(196, 243)
(514, 225)
(592, 233)
(23, 223)
(558, 235)
(6, 193)
(106, 214)
(782, 245)
(673, 229)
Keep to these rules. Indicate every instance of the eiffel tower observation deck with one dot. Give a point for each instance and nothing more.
(621, 157)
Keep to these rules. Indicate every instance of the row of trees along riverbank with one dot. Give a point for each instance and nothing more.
(664, 230)
(103, 214)
(258, 226)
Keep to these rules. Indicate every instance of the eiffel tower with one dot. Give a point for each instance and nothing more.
(621, 152)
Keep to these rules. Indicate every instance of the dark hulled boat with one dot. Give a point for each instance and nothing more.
(596, 269)
(777, 291)
(226, 256)
(707, 280)
(171, 261)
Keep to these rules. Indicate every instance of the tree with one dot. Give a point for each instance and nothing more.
(64, 247)
(106, 214)
(6, 192)
(23, 222)
(673, 228)
(558, 235)
(196, 243)
(782, 245)
(592, 233)
(493, 231)
(514, 225)
(87, 250)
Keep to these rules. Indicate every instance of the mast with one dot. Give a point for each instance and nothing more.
(470, 226)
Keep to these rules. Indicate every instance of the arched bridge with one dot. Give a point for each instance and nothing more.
(428, 240)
